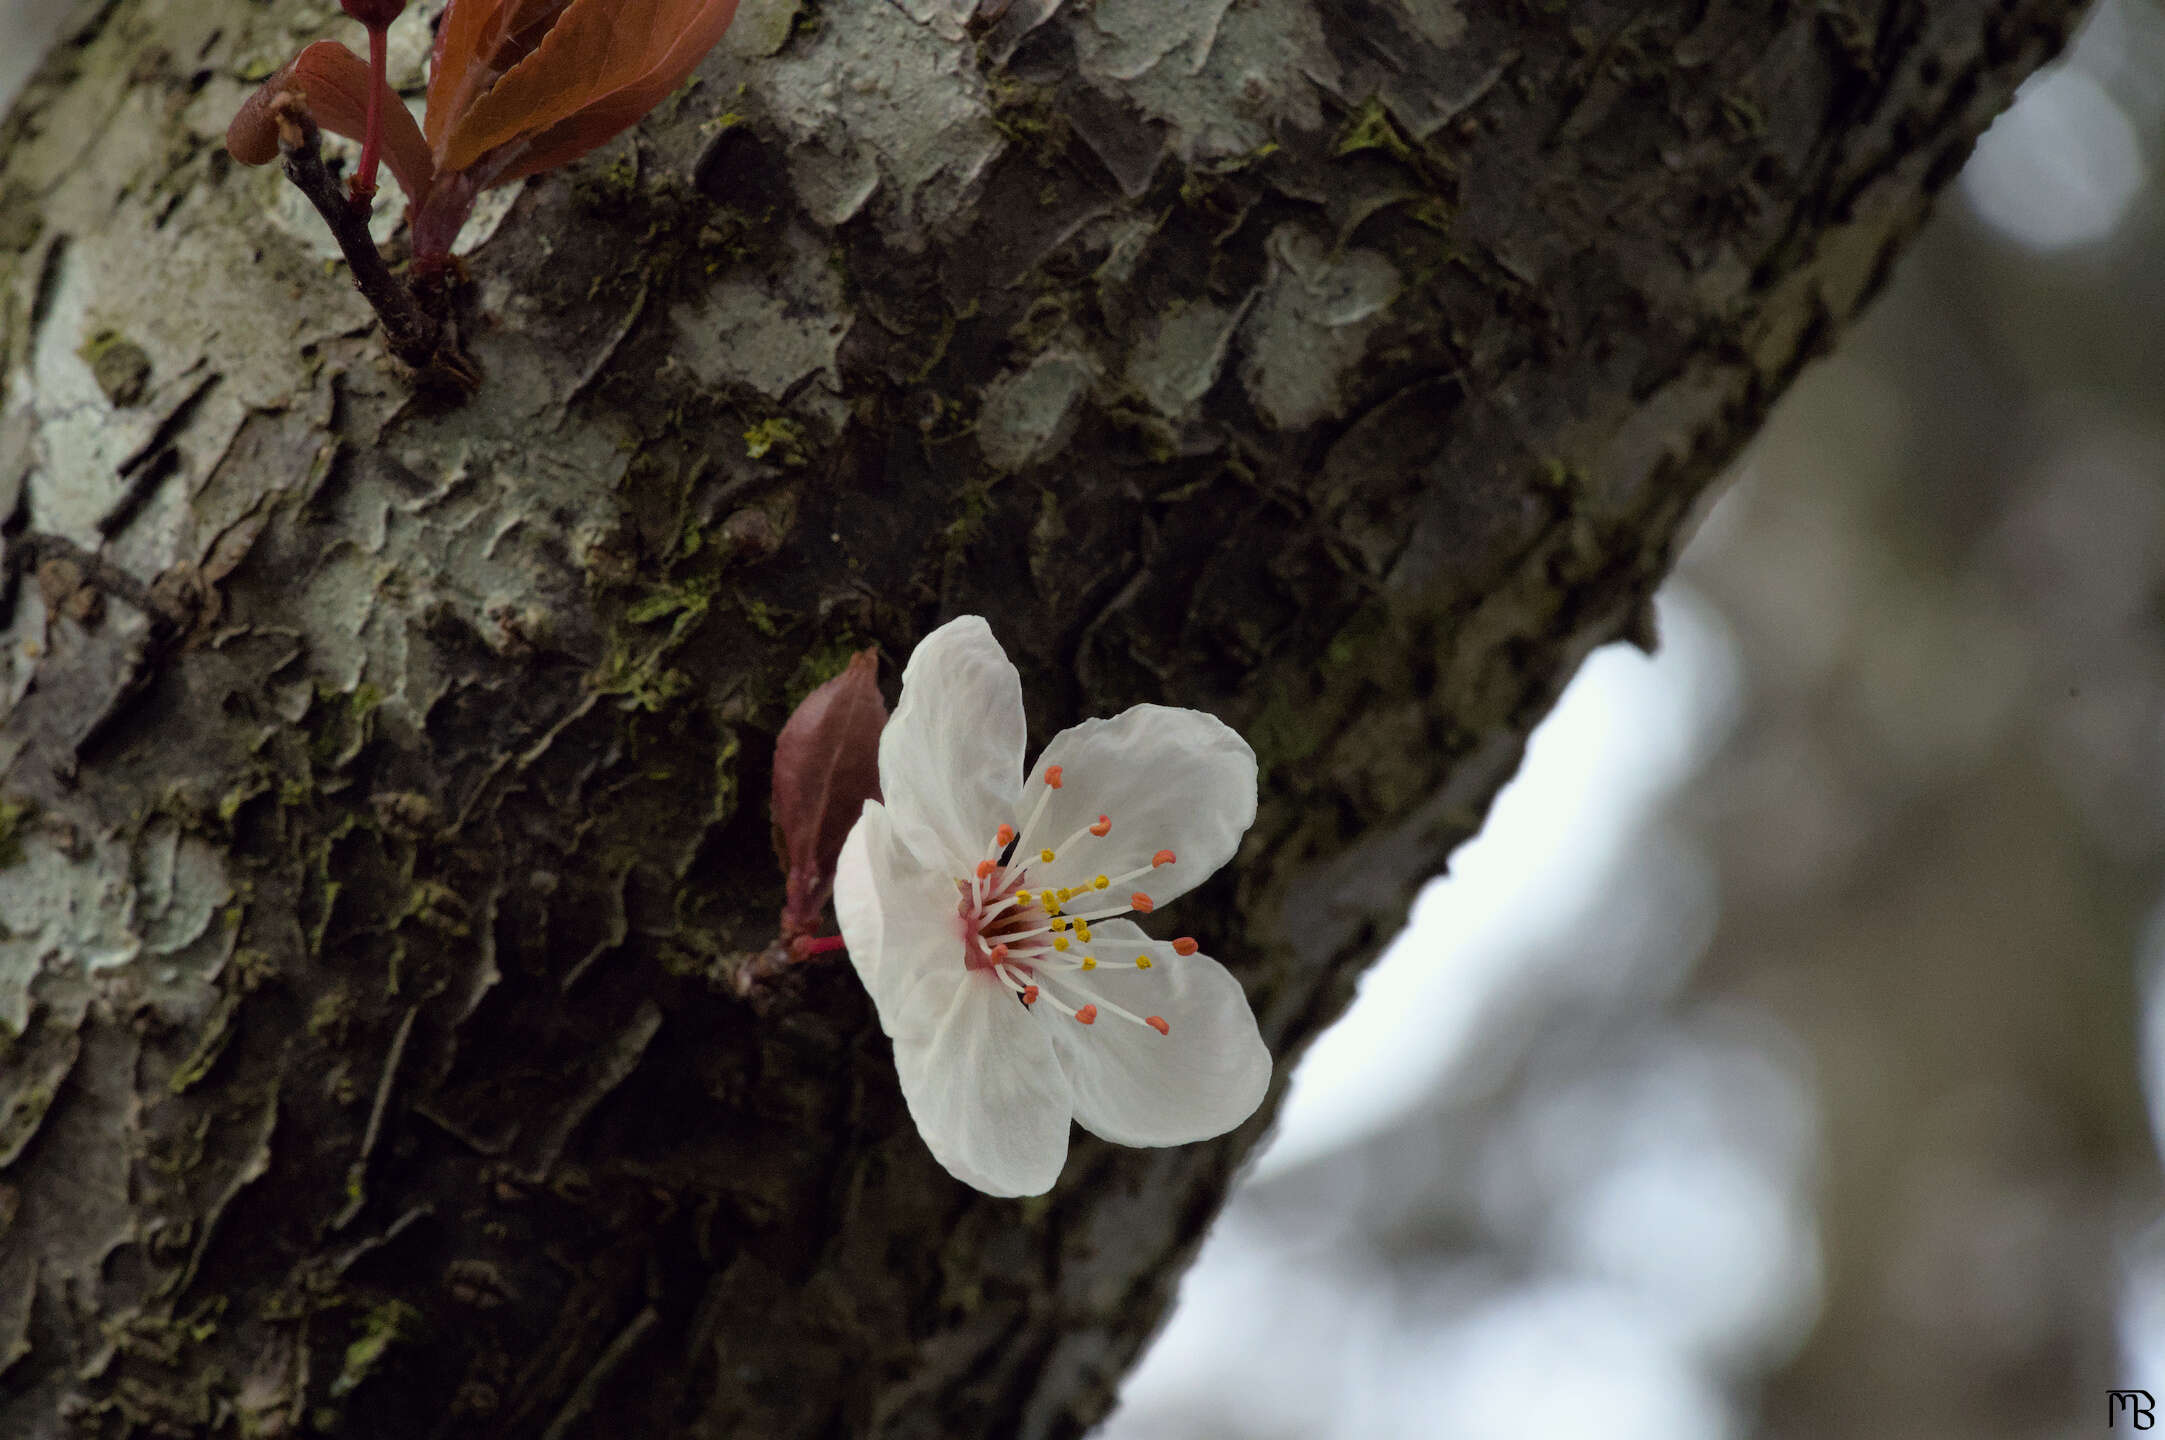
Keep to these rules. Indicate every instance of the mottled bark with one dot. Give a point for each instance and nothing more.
(386, 782)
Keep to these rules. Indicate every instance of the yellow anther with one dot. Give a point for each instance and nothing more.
(1090, 962)
(1100, 883)
(1082, 932)
(1059, 944)
(1142, 962)
(1066, 894)
(1045, 855)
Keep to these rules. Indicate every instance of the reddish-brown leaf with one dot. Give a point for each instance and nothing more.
(335, 83)
(478, 41)
(601, 66)
(826, 765)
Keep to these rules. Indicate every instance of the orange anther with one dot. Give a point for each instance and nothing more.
(984, 868)
(1088, 1015)
(1052, 776)
(1140, 902)
(1029, 994)
(1105, 824)
(1157, 1023)
(1163, 857)
(1184, 946)
(1006, 836)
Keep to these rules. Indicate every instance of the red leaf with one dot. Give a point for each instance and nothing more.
(826, 765)
(335, 82)
(478, 41)
(595, 71)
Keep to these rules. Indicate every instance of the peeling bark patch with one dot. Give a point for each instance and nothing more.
(1222, 75)
(762, 27)
(1181, 358)
(1312, 326)
(81, 439)
(1028, 413)
(180, 888)
(879, 97)
(70, 917)
(64, 916)
(768, 332)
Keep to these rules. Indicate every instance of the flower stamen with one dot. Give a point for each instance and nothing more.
(1100, 827)
(1042, 994)
(1037, 813)
(1094, 1003)
(1024, 948)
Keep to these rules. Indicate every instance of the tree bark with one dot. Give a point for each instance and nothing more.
(385, 780)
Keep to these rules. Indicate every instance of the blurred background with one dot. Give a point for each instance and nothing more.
(1774, 1062)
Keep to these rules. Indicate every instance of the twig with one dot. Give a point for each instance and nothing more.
(414, 335)
(612, 1358)
(357, 1172)
(30, 549)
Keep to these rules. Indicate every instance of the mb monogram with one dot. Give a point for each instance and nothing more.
(2135, 1404)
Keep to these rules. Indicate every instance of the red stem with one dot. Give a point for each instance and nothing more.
(806, 946)
(379, 86)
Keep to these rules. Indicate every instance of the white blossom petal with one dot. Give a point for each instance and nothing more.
(1133, 1086)
(977, 1070)
(985, 1090)
(951, 754)
(1169, 779)
(897, 917)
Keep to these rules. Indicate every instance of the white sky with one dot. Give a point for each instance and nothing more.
(1626, 733)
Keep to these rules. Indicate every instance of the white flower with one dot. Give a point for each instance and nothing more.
(981, 912)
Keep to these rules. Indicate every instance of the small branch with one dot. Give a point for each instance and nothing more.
(28, 550)
(589, 1389)
(357, 1172)
(785, 954)
(414, 335)
(364, 174)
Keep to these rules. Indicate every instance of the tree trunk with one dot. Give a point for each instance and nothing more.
(386, 833)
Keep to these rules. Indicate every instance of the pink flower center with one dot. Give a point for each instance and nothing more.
(1038, 942)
